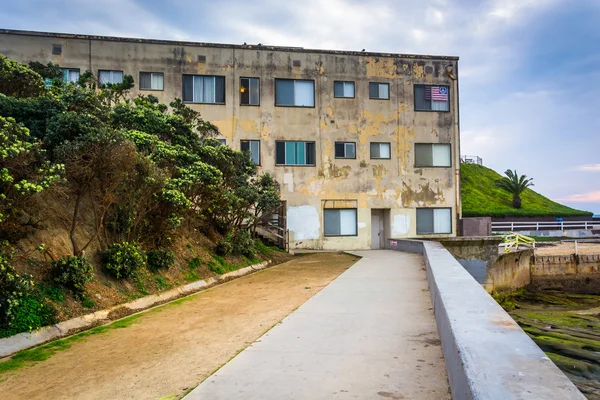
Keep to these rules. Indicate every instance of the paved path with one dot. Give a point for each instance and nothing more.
(370, 334)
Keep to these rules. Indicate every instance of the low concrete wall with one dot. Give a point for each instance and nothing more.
(569, 273)
(26, 340)
(487, 355)
(509, 271)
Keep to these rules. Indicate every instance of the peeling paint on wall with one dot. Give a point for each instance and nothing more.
(401, 225)
(303, 221)
(288, 179)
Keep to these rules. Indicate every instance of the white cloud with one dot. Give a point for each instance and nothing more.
(588, 168)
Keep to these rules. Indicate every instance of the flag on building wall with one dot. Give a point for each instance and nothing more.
(436, 93)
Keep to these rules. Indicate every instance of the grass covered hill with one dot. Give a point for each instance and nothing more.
(481, 198)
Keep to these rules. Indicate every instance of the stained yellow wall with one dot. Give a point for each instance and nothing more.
(390, 184)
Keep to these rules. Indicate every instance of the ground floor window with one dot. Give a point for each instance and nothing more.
(340, 222)
(434, 220)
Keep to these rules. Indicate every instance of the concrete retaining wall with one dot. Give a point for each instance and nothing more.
(487, 355)
(509, 271)
(26, 340)
(569, 273)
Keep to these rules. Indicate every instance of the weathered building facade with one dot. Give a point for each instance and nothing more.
(365, 146)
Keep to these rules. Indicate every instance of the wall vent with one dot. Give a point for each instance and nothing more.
(296, 63)
(57, 49)
(202, 59)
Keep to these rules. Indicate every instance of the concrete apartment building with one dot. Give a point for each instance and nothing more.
(365, 146)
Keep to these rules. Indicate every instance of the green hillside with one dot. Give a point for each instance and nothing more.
(481, 198)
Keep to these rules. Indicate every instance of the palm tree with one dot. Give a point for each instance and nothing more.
(515, 185)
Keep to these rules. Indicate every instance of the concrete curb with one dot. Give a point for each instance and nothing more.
(487, 354)
(26, 340)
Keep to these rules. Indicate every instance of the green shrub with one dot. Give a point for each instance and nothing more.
(220, 265)
(73, 272)
(243, 244)
(30, 313)
(160, 259)
(124, 260)
(224, 247)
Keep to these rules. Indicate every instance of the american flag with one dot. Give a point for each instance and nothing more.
(436, 93)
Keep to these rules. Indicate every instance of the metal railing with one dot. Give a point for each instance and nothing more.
(471, 160)
(512, 242)
(543, 225)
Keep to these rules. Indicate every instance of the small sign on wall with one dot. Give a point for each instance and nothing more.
(393, 243)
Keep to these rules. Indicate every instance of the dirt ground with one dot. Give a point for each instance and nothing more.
(567, 248)
(173, 348)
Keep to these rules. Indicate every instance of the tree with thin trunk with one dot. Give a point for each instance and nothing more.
(515, 185)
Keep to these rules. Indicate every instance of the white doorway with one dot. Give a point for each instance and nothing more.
(379, 227)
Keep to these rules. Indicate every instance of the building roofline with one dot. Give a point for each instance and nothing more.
(222, 45)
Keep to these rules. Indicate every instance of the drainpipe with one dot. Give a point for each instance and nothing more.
(456, 129)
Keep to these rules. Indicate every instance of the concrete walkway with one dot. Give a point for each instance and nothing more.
(370, 334)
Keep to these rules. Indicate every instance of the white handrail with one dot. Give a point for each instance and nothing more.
(540, 225)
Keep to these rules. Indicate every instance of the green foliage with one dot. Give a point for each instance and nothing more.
(515, 185)
(220, 265)
(160, 259)
(16, 80)
(224, 247)
(22, 308)
(73, 272)
(124, 260)
(47, 71)
(87, 302)
(481, 197)
(161, 283)
(243, 244)
(508, 300)
(24, 172)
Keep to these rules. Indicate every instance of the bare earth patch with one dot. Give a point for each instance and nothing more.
(568, 248)
(172, 348)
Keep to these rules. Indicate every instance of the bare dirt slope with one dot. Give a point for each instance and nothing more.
(172, 348)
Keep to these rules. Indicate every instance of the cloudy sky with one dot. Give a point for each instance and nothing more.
(529, 80)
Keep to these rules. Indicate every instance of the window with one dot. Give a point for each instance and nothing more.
(340, 222)
(295, 93)
(432, 155)
(380, 91)
(380, 150)
(253, 147)
(222, 141)
(249, 91)
(152, 80)
(432, 98)
(110, 77)
(294, 153)
(345, 150)
(204, 89)
(70, 75)
(343, 89)
(434, 220)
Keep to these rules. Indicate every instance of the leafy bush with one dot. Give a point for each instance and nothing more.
(124, 260)
(21, 307)
(243, 244)
(73, 272)
(160, 259)
(224, 247)
(17, 80)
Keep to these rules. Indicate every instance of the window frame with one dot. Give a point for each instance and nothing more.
(415, 86)
(148, 72)
(223, 141)
(432, 210)
(296, 165)
(344, 97)
(339, 209)
(293, 80)
(434, 166)
(110, 70)
(380, 158)
(259, 149)
(259, 91)
(202, 102)
(380, 98)
(344, 158)
(69, 70)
